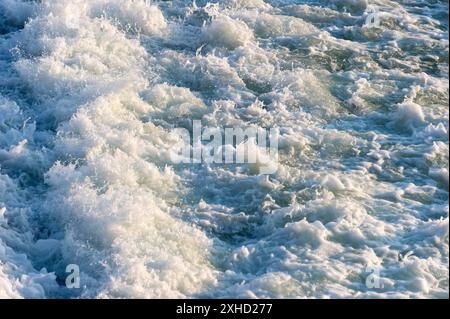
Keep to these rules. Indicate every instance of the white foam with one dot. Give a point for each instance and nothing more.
(408, 115)
(139, 16)
(269, 25)
(90, 93)
(224, 31)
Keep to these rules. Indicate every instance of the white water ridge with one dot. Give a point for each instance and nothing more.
(91, 91)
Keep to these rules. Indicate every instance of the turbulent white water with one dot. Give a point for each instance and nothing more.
(90, 91)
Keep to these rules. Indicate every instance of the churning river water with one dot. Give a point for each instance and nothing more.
(91, 90)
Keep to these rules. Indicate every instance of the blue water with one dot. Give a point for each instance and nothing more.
(90, 95)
